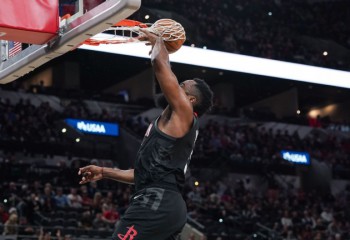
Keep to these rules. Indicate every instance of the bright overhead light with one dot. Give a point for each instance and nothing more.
(77, 140)
(234, 62)
(325, 53)
(64, 130)
(147, 16)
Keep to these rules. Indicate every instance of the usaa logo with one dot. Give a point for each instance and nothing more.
(91, 127)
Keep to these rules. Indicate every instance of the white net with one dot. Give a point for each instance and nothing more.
(168, 29)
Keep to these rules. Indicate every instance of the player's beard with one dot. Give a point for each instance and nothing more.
(161, 101)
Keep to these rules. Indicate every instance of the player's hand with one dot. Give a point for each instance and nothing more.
(150, 38)
(90, 173)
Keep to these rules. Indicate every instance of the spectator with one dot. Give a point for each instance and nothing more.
(86, 220)
(327, 215)
(11, 225)
(47, 200)
(97, 202)
(3, 214)
(74, 199)
(110, 215)
(308, 219)
(98, 222)
(60, 198)
(13, 210)
(86, 200)
(286, 220)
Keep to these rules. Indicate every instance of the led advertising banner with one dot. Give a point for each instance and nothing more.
(296, 157)
(93, 127)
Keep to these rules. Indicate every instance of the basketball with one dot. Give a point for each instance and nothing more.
(173, 46)
(172, 33)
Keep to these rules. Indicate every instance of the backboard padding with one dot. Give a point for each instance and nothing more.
(84, 27)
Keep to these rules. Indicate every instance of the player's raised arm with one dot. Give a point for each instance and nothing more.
(168, 82)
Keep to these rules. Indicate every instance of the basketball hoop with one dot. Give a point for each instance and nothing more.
(128, 31)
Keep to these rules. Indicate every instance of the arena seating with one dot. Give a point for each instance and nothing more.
(221, 207)
(290, 31)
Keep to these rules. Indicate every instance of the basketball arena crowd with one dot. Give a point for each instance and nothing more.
(282, 30)
(36, 194)
(40, 197)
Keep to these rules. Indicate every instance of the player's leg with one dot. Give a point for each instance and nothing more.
(155, 214)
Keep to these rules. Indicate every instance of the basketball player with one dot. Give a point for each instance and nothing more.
(157, 210)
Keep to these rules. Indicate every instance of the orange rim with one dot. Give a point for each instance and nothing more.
(122, 23)
(130, 23)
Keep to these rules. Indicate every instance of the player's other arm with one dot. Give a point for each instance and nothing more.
(93, 173)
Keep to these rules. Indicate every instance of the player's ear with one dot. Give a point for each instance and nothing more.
(193, 99)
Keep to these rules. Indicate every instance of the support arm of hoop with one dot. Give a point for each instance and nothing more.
(94, 42)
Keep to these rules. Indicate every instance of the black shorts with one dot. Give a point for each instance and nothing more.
(153, 214)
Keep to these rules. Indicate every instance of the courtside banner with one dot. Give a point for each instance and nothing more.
(29, 21)
(94, 127)
(296, 157)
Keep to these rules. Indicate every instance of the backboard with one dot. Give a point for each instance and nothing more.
(86, 22)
